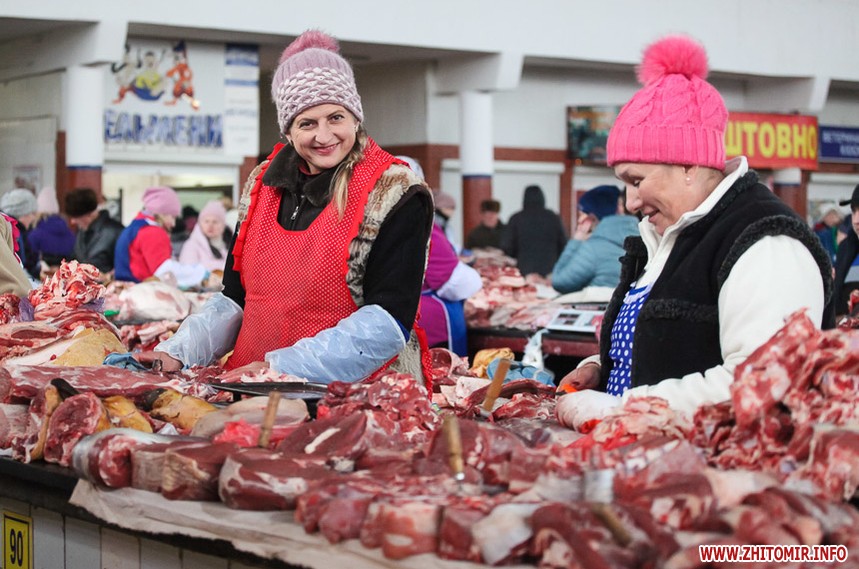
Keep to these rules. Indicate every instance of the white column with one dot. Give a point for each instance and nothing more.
(476, 148)
(83, 110)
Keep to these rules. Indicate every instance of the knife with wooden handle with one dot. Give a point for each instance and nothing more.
(495, 388)
(453, 437)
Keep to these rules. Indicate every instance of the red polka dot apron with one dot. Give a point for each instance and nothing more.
(295, 281)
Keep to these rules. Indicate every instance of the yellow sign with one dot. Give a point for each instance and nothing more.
(17, 541)
(773, 141)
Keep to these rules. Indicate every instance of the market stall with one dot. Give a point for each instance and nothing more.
(477, 471)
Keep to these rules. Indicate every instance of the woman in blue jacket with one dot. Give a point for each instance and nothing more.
(592, 257)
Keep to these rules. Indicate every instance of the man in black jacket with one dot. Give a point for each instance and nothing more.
(847, 260)
(97, 232)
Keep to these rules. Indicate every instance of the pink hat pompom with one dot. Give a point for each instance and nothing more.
(673, 55)
(310, 39)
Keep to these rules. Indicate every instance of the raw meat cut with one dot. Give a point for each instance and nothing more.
(72, 285)
(105, 457)
(22, 383)
(78, 416)
(153, 300)
(260, 479)
(13, 422)
(290, 414)
(29, 445)
(191, 471)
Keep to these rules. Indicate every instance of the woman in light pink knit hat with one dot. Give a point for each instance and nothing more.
(206, 244)
(721, 261)
(323, 278)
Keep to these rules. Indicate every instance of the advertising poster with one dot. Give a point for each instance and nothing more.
(587, 132)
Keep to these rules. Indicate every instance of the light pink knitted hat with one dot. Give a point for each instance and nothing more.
(677, 118)
(312, 72)
(162, 200)
(46, 201)
(214, 209)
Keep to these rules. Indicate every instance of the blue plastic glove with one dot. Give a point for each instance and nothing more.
(518, 370)
(351, 350)
(124, 361)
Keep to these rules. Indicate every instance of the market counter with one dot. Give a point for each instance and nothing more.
(74, 525)
(58, 534)
(553, 343)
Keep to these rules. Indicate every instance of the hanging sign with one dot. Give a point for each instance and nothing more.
(773, 141)
(839, 144)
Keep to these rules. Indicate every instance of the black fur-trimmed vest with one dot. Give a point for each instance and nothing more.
(677, 331)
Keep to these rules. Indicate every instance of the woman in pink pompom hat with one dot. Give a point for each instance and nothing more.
(144, 250)
(721, 261)
(323, 278)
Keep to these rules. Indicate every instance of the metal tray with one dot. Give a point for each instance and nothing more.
(287, 389)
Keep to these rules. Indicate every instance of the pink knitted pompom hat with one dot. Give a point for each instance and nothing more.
(312, 72)
(677, 117)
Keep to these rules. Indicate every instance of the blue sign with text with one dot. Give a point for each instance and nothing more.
(839, 144)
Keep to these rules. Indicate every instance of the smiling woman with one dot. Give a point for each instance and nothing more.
(721, 261)
(324, 276)
(323, 136)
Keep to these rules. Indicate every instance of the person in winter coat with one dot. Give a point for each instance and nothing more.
(826, 228)
(488, 233)
(721, 261)
(592, 257)
(13, 279)
(324, 276)
(20, 205)
(97, 232)
(206, 244)
(51, 240)
(847, 260)
(144, 250)
(447, 284)
(535, 236)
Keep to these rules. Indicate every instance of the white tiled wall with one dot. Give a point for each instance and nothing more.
(49, 547)
(68, 543)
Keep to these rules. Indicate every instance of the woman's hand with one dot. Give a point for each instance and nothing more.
(250, 369)
(166, 361)
(581, 409)
(584, 227)
(585, 377)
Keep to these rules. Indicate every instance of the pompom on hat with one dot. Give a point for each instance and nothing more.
(162, 200)
(312, 72)
(677, 117)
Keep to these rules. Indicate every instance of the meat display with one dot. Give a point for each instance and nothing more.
(72, 286)
(643, 488)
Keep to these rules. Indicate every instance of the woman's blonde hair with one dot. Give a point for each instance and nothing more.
(340, 183)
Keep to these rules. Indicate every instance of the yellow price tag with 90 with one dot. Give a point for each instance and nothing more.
(17, 541)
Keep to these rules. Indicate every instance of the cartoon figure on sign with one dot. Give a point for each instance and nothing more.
(144, 79)
(181, 74)
(124, 72)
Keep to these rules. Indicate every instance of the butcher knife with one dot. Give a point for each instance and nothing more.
(599, 492)
(494, 389)
(453, 437)
(268, 419)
